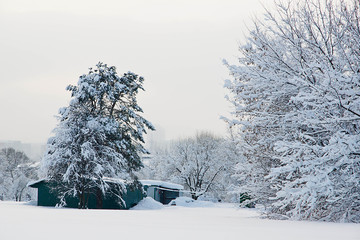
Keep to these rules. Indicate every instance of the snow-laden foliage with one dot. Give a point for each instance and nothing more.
(199, 163)
(100, 133)
(16, 171)
(297, 111)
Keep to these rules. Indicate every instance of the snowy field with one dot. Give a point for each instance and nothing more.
(220, 221)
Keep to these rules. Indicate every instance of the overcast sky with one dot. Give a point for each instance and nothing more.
(176, 45)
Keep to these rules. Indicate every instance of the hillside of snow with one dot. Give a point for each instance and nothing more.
(218, 221)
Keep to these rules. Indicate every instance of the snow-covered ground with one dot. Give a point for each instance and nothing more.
(213, 221)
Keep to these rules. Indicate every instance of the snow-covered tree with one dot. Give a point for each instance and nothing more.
(297, 111)
(198, 163)
(100, 134)
(16, 171)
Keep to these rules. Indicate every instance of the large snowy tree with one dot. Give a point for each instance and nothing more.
(297, 111)
(100, 134)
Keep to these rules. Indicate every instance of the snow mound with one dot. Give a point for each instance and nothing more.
(189, 202)
(148, 203)
(31, 203)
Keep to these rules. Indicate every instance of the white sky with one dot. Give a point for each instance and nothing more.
(177, 45)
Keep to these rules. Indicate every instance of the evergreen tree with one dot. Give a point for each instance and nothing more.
(100, 134)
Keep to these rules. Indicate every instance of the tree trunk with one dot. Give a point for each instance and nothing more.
(194, 196)
(81, 200)
(20, 194)
(99, 199)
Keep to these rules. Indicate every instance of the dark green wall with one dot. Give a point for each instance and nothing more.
(162, 194)
(48, 196)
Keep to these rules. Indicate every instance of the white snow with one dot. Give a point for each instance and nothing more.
(148, 203)
(23, 221)
(114, 180)
(189, 202)
(161, 184)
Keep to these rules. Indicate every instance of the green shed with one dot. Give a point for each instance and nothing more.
(48, 196)
(162, 191)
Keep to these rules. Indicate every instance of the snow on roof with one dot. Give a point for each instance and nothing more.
(114, 180)
(106, 179)
(121, 181)
(161, 184)
(31, 164)
(35, 182)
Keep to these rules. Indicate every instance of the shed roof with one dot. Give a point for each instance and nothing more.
(34, 184)
(161, 184)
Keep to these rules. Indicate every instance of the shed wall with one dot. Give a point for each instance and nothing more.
(47, 196)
